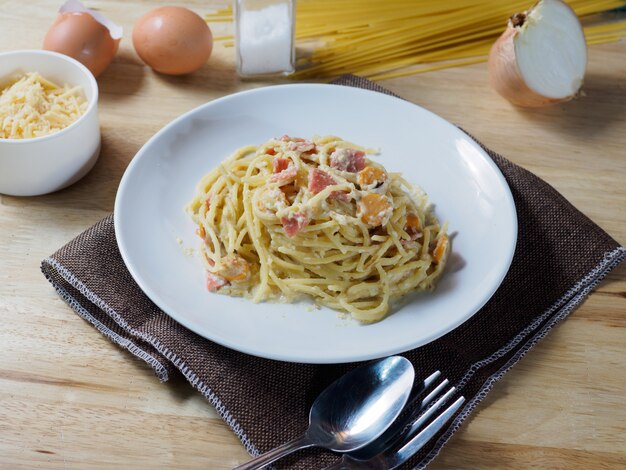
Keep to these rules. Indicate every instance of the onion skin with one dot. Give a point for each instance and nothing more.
(505, 76)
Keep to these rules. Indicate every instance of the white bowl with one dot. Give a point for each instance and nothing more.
(29, 167)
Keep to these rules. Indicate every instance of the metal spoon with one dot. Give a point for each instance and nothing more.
(352, 411)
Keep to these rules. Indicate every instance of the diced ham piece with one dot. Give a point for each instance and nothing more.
(348, 160)
(286, 138)
(215, 282)
(294, 223)
(318, 180)
(285, 175)
(280, 164)
(303, 147)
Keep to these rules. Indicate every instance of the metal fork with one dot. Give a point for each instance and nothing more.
(396, 445)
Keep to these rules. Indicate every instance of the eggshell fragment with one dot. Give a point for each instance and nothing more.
(85, 35)
(173, 40)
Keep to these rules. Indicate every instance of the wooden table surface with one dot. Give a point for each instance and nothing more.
(69, 398)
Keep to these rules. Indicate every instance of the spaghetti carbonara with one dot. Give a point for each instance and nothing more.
(295, 217)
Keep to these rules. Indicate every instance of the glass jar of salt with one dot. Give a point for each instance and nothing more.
(264, 37)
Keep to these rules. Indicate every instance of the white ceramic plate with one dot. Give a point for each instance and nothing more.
(462, 182)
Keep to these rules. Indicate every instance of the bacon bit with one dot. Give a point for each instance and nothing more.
(294, 223)
(412, 225)
(201, 232)
(371, 175)
(280, 164)
(318, 180)
(348, 160)
(234, 268)
(215, 282)
(271, 151)
(285, 175)
(373, 208)
(440, 249)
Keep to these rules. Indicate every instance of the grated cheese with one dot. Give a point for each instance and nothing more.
(32, 106)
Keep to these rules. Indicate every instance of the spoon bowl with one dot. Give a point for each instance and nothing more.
(353, 411)
(358, 407)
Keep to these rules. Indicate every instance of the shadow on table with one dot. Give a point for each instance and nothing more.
(123, 78)
(601, 106)
(216, 75)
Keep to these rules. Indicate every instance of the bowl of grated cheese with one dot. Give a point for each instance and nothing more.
(49, 127)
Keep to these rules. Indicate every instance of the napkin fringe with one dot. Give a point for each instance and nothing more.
(558, 312)
(555, 314)
(159, 369)
(582, 287)
(50, 264)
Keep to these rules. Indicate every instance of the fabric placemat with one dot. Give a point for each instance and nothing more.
(561, 255)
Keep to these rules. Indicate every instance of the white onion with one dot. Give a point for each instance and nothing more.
(541, 57)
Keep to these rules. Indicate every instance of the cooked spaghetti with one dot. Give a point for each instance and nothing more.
(294, 217)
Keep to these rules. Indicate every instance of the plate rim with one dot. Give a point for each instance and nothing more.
(294, 357)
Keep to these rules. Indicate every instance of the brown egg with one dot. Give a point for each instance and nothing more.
(81, 36)
(173, 40)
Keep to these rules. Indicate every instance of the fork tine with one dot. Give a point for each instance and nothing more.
(415, 444)
(428, 381)
(421, 387)
(437, 390)
(397, 430)
(431, 411)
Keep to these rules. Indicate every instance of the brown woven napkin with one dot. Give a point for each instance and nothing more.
(560, 257)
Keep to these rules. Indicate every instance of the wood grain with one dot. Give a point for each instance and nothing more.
(69, 398)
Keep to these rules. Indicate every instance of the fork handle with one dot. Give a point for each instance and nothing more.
(275, 454)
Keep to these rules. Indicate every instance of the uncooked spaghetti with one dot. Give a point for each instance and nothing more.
(388, 39)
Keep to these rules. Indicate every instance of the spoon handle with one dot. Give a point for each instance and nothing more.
(275, 454)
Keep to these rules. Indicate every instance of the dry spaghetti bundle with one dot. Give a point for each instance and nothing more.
(293, 218)
(379, 40)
